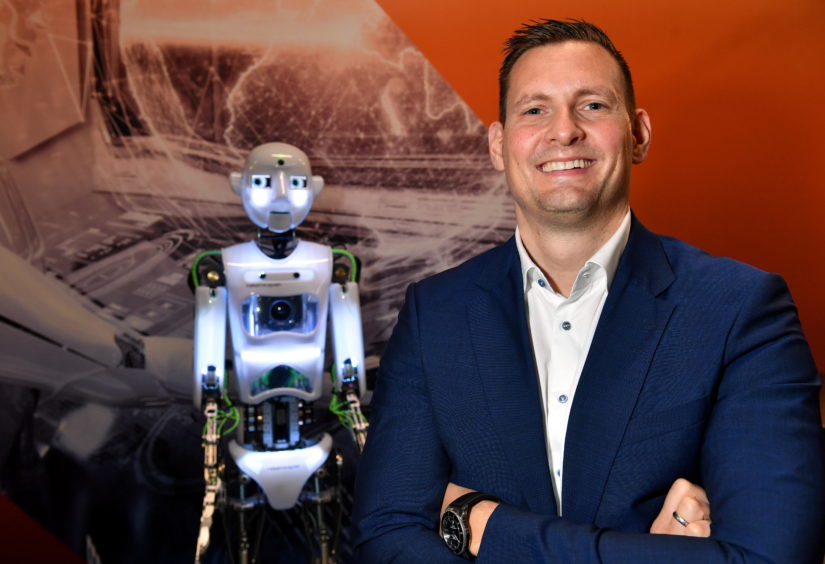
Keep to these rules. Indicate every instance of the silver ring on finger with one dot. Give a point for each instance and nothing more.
(679, 519)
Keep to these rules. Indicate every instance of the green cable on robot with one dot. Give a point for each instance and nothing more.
(275, 295)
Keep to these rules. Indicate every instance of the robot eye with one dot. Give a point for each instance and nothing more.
(261, 181)
(298, 181)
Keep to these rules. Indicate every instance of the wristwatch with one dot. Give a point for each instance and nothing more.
(455, 528)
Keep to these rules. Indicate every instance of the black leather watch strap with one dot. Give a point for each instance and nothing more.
(470, 499)
(455, 527)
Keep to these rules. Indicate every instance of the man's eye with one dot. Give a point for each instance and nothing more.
(595, 106)
(533, 111)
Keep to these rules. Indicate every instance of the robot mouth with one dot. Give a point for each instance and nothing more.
(279, 221)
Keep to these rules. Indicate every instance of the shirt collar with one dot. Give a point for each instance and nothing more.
(607, 257)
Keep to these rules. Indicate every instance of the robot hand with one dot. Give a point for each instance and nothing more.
(348, 370)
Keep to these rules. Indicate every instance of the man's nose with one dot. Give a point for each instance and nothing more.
(564, 128)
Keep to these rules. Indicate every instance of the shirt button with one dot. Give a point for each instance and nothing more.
(562, 398)
(542, 283)
(566, 326)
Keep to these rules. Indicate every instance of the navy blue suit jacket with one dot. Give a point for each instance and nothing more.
(698, 369)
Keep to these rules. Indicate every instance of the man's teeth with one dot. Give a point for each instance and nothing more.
(566, 165)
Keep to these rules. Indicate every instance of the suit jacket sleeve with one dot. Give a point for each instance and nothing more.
(404, 470)
(761, 461)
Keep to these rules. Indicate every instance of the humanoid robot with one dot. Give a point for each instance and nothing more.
(276, 293)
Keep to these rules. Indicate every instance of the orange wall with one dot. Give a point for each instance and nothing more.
(737, 164)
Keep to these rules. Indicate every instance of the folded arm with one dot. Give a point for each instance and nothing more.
(687, 500)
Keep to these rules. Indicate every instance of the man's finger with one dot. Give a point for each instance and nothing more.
(692, 509)
(697, 529)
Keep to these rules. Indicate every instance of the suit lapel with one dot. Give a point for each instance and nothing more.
(626, 337)
(498, 329)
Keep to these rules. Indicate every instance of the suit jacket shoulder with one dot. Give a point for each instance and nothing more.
(485, 268)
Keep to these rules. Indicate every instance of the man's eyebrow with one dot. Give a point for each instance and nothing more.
(603, 92)
(531, 98)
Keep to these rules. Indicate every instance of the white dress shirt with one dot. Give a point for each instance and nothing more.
(561, 330)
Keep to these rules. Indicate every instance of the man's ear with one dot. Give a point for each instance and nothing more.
(495, 140)
(641, 135)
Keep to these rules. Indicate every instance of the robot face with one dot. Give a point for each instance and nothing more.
(277, 186)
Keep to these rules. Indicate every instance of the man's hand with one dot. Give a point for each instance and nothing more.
(479, 514)
(690, 502)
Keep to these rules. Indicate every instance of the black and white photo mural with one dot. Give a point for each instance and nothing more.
(121, 123)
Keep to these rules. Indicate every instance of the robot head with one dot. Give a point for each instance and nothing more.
(276, 186)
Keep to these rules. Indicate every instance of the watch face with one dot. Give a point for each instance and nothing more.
(452, 531)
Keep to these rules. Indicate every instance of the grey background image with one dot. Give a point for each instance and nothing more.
(128, 182)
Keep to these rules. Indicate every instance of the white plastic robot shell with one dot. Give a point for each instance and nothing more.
(277, 186)
(278, 319)
(282, 474)
(347, 334)
(210, 337)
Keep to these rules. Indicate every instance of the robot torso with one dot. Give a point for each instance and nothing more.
(277, 319)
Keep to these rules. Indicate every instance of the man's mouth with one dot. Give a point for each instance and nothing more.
(565, 165)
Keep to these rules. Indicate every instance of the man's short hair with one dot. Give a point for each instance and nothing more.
(546, 32)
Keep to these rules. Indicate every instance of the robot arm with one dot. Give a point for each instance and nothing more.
(348, 372)
(207, 389)
(210, 342)
(347, 338)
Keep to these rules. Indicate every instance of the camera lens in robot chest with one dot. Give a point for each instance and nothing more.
(280, 310)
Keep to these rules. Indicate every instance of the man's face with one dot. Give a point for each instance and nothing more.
(569, 139)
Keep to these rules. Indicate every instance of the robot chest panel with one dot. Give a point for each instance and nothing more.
(272, 296)
(277, 317)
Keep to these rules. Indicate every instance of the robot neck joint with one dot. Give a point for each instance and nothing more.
(277, 245)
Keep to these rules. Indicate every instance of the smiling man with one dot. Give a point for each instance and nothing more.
(562, 396)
